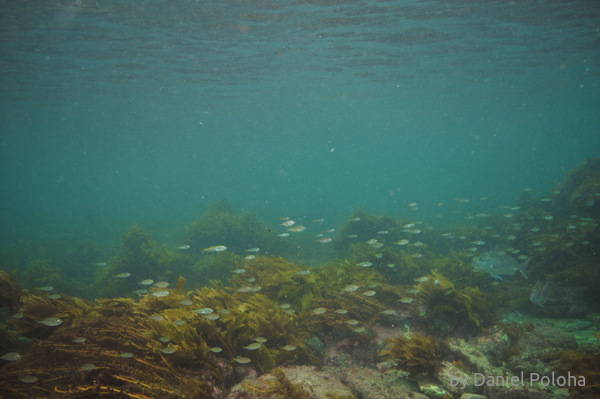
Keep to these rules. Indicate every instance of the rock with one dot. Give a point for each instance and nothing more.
(502, 392)
(472, 396)
(367, 383)
(537, 345)
(547, 340)
(471, 355)
(455, 380)
(318, 383)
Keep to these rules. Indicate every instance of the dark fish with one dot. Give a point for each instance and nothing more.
(539, 293)
(499, 264)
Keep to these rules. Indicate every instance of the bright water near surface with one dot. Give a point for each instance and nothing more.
(118, 113)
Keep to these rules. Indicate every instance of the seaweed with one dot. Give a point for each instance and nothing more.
(362, 226)
(416, 354)
(217, 266)
(10, 291)
(452, 311)
(142, 257)
(121, 350)
(40, 273)
(278, 386)
(221, 225)
(580, 364)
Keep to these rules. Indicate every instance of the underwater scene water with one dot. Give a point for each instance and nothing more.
(300, 199)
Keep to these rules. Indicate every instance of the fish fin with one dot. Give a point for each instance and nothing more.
(524, 266)
(523, 273)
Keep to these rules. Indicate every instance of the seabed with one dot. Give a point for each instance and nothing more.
(400, 311)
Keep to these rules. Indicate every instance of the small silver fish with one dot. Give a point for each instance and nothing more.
(350, 288)
(183, 247)
(253, 346)
(28, 379)
(215, 248)
(123, 275)
(11, 356)
(100, 264)
(297, 229)
(51, 322)
(169, 350)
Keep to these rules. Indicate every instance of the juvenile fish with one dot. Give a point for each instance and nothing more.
(215, 248)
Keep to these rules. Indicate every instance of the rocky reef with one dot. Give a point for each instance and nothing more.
(401, 311)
